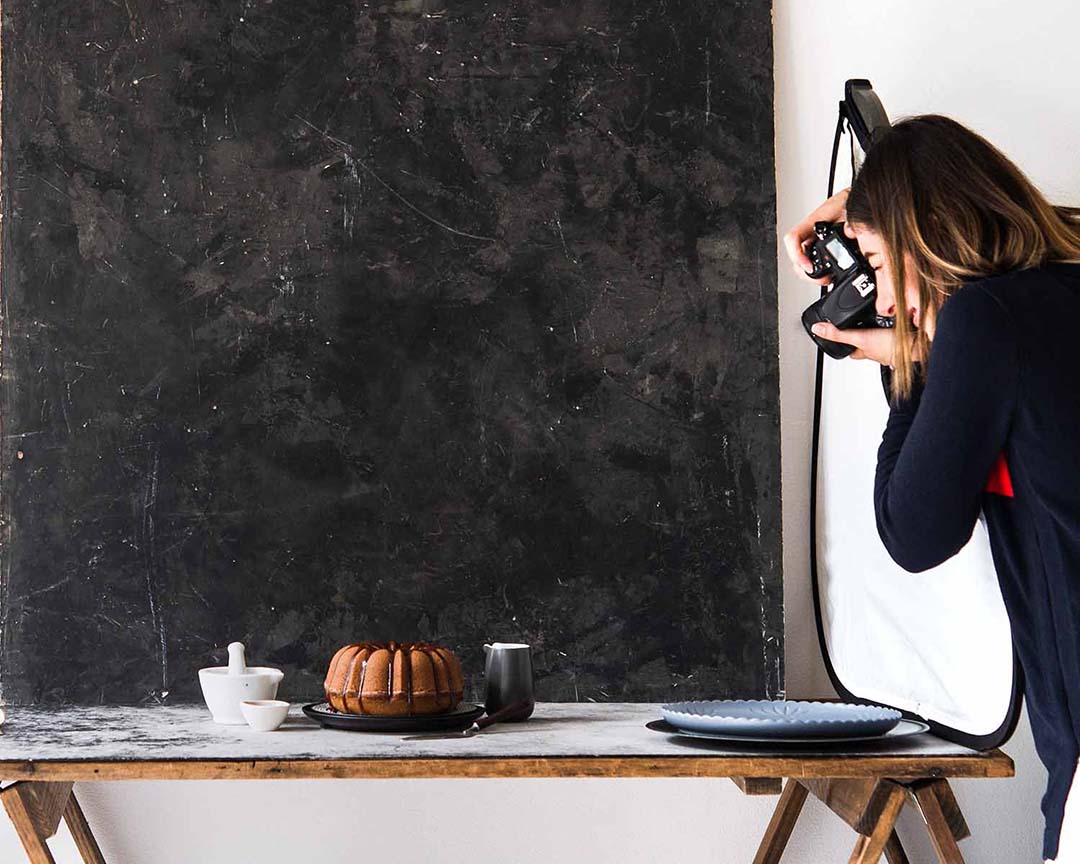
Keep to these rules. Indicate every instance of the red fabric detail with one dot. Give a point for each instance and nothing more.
(1000, 481)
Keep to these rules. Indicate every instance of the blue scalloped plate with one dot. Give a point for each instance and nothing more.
(900, 730)
(781, 718)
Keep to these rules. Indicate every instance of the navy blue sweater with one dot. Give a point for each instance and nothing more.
(1003, 379)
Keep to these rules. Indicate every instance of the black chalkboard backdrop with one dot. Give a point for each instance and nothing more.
(326, 321)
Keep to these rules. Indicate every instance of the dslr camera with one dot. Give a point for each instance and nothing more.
(848, 300)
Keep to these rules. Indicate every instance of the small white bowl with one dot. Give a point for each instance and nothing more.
(264, 715)
(224, 692)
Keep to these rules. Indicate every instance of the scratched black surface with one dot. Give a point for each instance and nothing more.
(326, 321)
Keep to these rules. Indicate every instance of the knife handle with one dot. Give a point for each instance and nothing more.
(507, 712)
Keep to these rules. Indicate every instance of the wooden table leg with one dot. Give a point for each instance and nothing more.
(81, 833)
(894, 850)
(943, 831)
(783, 820)
(35, 809)
(860, 802)
(869, 847)
(871, 806)
(759, 785)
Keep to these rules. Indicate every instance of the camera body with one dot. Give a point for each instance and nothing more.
(850, 300)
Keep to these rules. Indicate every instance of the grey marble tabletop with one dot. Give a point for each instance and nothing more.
(186, 732)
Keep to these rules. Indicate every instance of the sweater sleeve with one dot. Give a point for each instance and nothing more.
(939, 445)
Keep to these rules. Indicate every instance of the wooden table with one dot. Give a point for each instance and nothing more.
(45, 751)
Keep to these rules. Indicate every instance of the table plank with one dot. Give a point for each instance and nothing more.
(559, 740)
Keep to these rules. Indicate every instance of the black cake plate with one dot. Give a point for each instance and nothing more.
(460, 717)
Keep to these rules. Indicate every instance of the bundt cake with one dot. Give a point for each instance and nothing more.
(394, 679)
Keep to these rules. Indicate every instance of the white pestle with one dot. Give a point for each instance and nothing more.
(225, 687)
(236, 659)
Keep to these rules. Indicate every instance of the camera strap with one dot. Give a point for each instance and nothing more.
(840, 119)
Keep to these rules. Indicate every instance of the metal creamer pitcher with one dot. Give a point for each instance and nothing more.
(508, 677)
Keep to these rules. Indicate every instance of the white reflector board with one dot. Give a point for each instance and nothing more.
(936, 644)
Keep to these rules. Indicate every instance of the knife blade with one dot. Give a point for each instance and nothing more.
(508, 712)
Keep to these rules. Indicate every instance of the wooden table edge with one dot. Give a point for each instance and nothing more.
(989, 764)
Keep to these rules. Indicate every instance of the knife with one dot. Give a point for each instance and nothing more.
(508, 712)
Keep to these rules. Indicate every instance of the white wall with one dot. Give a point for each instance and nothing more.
(1003, 68)
(1006, 69)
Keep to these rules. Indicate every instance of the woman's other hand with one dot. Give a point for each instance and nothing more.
(832, 210)
(871, 343)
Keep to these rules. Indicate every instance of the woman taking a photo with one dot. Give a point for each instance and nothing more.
(983, 277)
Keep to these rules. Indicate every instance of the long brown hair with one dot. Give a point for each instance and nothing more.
(944, 199)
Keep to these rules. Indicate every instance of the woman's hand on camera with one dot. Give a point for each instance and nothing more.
(832, 210)
(871, 343)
